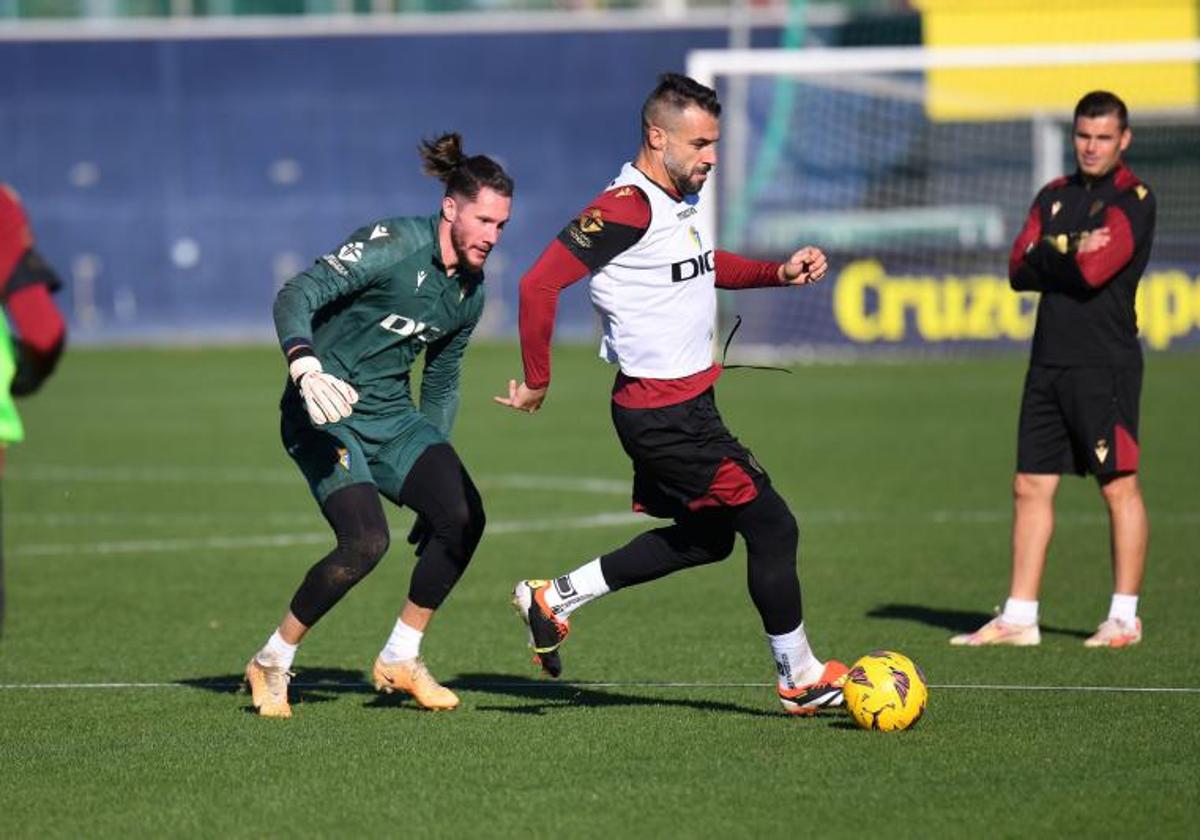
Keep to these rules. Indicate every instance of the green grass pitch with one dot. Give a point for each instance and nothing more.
(155, 531)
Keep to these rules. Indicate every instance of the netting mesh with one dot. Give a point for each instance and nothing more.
(918, 215)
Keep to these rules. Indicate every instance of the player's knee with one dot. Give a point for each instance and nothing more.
(720, 545)
(362, 551)
(768, 526)
(1032, 486)
(461, 528)
(1119, 489)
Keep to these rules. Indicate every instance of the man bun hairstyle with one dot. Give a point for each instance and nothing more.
(1101, 103)
(674, 93)
(464, 176)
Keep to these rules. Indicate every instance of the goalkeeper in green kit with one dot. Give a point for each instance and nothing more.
(351, 328)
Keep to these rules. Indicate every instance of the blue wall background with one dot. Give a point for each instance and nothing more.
(175, 183)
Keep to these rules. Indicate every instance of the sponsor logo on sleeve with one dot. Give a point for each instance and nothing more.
(336, 264)
(579, 237)
(624, 192)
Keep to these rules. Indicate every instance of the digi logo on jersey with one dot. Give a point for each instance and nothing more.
(685, 270)
(408, 327)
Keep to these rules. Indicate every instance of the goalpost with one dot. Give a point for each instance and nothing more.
(914, 168)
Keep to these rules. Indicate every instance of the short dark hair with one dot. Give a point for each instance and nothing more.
(676, 92)
(1101, 103)
(443, 158)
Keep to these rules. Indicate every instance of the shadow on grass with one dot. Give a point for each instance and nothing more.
(956, 621)
(310, 685)
(321, 685)
(542, 696)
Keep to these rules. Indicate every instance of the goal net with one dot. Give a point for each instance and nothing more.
(914, 168)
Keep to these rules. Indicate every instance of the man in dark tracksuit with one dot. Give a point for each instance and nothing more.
(351, 327)
(1084, 246)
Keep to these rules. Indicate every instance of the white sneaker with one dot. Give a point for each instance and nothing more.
(1000, 632)
(1115, 633)
(269, 689)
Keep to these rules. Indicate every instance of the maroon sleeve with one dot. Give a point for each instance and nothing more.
(1098, 267)
(738, 272)
(611, 224)
(554, 270)
(1030, 233)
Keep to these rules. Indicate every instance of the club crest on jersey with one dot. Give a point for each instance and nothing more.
(344, 458)
(624, 192)
(420, 278)
(1096, 207)
(695, 236)
(1141, 191)
(591, 221)
(351, 252)
(1102, 450)
(1054, 208)
(379, 232)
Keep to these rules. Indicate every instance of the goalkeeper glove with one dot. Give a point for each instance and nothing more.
(420, 535)
(327, 398)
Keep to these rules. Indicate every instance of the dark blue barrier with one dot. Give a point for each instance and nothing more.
(175, 183)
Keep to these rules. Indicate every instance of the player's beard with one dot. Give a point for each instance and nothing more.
(462, 250)
(685, 181)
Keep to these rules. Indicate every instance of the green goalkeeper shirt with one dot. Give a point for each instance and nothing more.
(368, 310)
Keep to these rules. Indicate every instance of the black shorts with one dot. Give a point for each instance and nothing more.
(684, 459)
(1079, 420)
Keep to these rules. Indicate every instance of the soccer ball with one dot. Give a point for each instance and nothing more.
(885, 690)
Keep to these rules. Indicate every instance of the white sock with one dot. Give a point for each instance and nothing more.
(1020, 612)
(794, 660)
(571, 591)
(404, 643)
(276, 653)
(1123, 607)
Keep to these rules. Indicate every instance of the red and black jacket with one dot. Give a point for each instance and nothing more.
(1086, 315)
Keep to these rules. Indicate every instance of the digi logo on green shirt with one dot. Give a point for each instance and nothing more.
(410, 328)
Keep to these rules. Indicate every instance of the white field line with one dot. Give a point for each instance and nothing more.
(547, 685)
(598, 520)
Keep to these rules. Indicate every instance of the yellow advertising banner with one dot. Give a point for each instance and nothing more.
(1013, 92)
(874, 306)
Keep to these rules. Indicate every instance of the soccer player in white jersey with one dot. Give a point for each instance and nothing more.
(647, 244)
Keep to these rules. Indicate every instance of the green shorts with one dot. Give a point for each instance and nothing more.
(374, 450)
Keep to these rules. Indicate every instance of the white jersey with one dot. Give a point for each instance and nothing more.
(657, 300)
